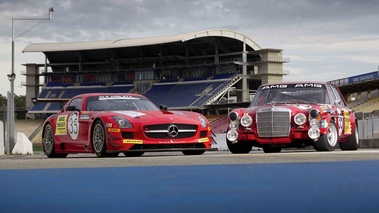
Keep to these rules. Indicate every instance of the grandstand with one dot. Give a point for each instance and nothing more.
(361, 91)
(193, 71)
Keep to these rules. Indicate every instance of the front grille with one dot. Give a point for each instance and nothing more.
(161, 131)
(273, 122)
(168, 146)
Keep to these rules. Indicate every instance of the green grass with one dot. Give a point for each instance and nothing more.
(37, 148)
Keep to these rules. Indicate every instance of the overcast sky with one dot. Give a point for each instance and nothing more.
(324, 39)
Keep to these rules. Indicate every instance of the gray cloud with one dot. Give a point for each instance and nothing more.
(323, 36)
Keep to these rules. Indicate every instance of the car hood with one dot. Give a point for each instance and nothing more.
(148, 116)
(293, 107)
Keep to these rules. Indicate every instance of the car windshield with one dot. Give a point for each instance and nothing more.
(119, 103)
(291, 93)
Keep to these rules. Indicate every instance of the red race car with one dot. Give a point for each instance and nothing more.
(293, 115)
(107, 124)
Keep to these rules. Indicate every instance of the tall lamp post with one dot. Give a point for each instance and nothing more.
(11, 77)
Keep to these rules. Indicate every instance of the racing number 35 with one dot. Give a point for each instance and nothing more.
(73, 125)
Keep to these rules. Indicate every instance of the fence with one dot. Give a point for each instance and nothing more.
(368, 124)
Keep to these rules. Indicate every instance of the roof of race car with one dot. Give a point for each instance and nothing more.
(108, 94)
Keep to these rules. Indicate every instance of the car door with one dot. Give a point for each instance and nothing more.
(69, 128)
(344, 113)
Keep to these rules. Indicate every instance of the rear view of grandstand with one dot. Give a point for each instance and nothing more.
(190, 71)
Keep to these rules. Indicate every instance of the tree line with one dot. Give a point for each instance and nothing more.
(19, 101)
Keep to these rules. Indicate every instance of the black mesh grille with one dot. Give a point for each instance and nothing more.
(165, 136)
(127, 135)
(203, 134)
(160, 131)
(167, 146)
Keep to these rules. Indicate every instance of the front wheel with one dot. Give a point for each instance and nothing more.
(353, 142)
(48, 143)
(99, 139)
(241, 147)
(328, 141)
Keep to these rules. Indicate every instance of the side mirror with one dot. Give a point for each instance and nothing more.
(71, 108)
(338, 102)
(163, 107)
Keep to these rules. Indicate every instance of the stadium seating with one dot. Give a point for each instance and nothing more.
(187, 92)
(367, 106)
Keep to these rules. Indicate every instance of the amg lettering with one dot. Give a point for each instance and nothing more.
(276, 86)
(308, 85)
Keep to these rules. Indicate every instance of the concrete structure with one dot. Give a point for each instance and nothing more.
(23, 145)
(140, 56)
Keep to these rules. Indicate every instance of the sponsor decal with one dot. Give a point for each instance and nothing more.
(309, 85)
(347, 128)
(282, 86)
(171, 141)
(324, 109)
(303, 107)
(107, 97)
(324, 124)
(133, 141)
(113, 130)
(84, 117)
(278, 86)
(130, 113)
(61, 127)
(108, 125)
(73, 125)
(202, 140)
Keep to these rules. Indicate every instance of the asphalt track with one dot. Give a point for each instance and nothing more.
(292, 181)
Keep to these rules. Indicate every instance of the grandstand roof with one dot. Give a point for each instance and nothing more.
(131, 42)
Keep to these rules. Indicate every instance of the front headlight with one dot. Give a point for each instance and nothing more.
(203, 121)
(300, 119)
(314, 133)
(233, 125)
(122, 122)
(232, 135)
(246, 120)
(233, 116)
(314, 123)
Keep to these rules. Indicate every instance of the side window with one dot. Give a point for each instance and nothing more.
(337, 98)
(77, 102)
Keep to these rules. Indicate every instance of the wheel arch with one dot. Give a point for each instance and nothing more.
(43, 129)
(91, 132)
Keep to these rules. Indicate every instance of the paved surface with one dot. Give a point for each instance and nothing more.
(292, 181)
(177, 158)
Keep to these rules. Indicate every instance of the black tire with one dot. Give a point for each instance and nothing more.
(133, 154)
(268, 149)
(353, 142)
(48, 143)
(328, 141)
(193, 152)
(98, 138)
(241, 147)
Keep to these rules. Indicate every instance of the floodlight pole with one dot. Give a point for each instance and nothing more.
(11, 77)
